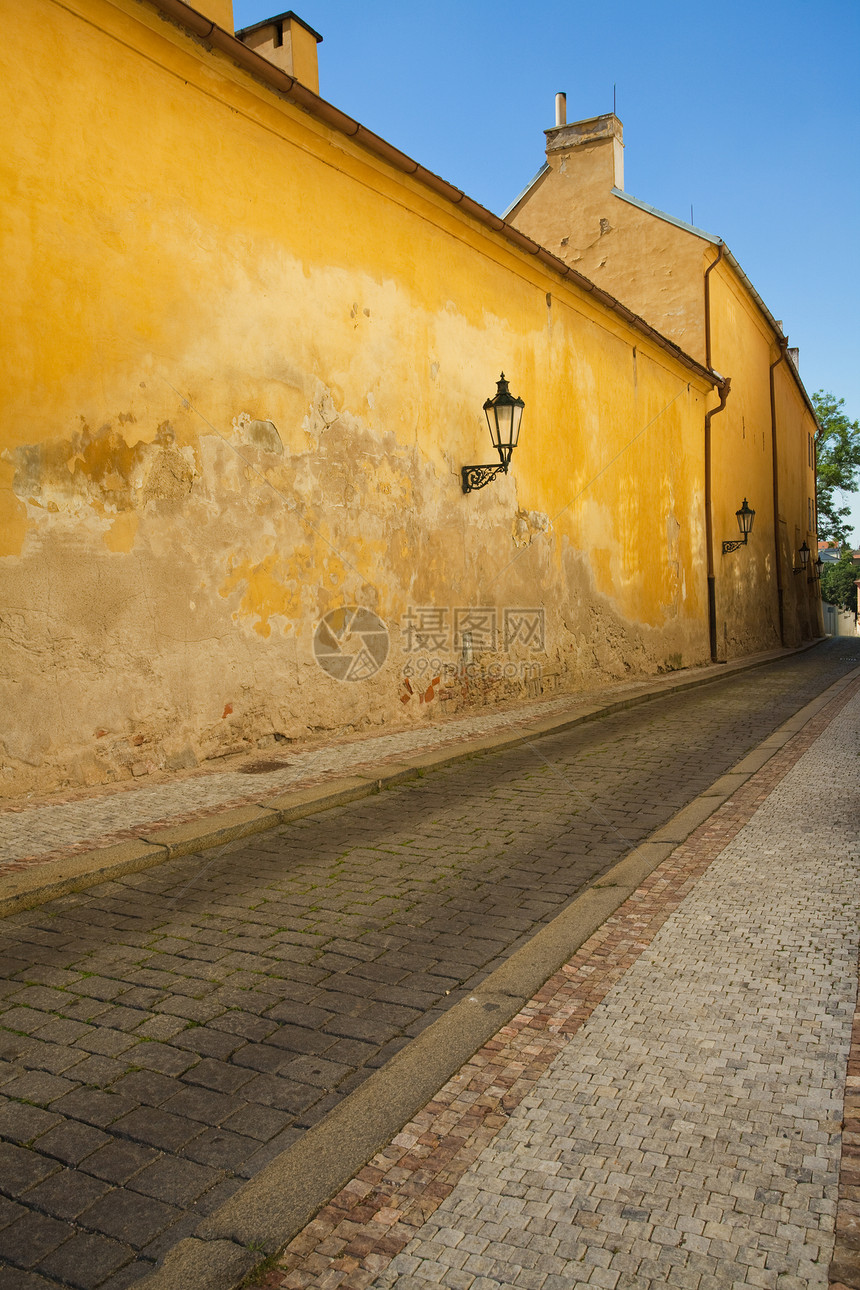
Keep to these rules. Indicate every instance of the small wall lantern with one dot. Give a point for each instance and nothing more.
(745, 517)
(818, 566)
(504, 414)
(803, 554)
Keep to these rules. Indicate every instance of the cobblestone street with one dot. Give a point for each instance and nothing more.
(668, 1110)
(165, 1036)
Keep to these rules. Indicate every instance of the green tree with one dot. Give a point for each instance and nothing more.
(838, 579)
(838, 445)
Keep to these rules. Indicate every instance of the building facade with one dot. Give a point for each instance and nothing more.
(688, 285)
(249, 345)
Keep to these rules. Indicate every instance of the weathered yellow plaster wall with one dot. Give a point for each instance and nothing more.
(742, 466)
(245, 363)
(803, 610)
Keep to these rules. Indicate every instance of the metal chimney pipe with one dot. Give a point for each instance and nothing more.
(561, 109)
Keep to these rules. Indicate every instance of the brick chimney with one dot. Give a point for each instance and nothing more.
(598, 143)
(289, 43)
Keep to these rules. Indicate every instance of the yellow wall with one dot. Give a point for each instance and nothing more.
(802, 595)
(742, 466)
(658, 269)
(244, 363)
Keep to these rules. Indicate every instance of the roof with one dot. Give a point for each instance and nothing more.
(279, 17)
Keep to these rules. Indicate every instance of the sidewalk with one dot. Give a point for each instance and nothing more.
(667, 1110)
(67, 842)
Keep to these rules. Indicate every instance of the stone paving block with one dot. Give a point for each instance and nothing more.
(176, 1182)
(98, 1072)
(20, 1122)
(291, 1013)
(263, 1058)
(158, 1027)
(189, 1009)
(122, 1018)
(85, 1010)
(221, 1076)
(164, 1058)
(317, 1071)
(21, 1169)
(65, 1194)
(157, 1128)
(205, 1042)
(255, 1121)
(71, 1142)
(119, 1160)
(107, 1043)
(24, 1020)
(146, 1086)
(221, 1148)
(203, 1104)
(245, 1025)
(98, 1107)
(128, 1217)
(9, 1211)
(56, 1059)
(86, 1260)
(37, 996)
(30, 1238)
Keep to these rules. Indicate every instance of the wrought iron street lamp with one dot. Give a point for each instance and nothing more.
(504, 414)
(745, 517)
(803, 554)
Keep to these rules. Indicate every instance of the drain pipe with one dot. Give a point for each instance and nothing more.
(724, 386)
(708, 272)
(782, 342)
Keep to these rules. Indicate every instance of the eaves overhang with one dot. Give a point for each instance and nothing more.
(544, 170)
(208, 32)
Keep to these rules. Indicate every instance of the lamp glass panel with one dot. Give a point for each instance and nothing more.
(517, 416)
(504, 420)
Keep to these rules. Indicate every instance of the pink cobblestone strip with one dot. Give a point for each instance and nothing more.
(359, 1238)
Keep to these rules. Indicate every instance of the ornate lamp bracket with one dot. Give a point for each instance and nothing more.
(478, 476)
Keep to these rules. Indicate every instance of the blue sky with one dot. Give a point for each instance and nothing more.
(749, 112)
